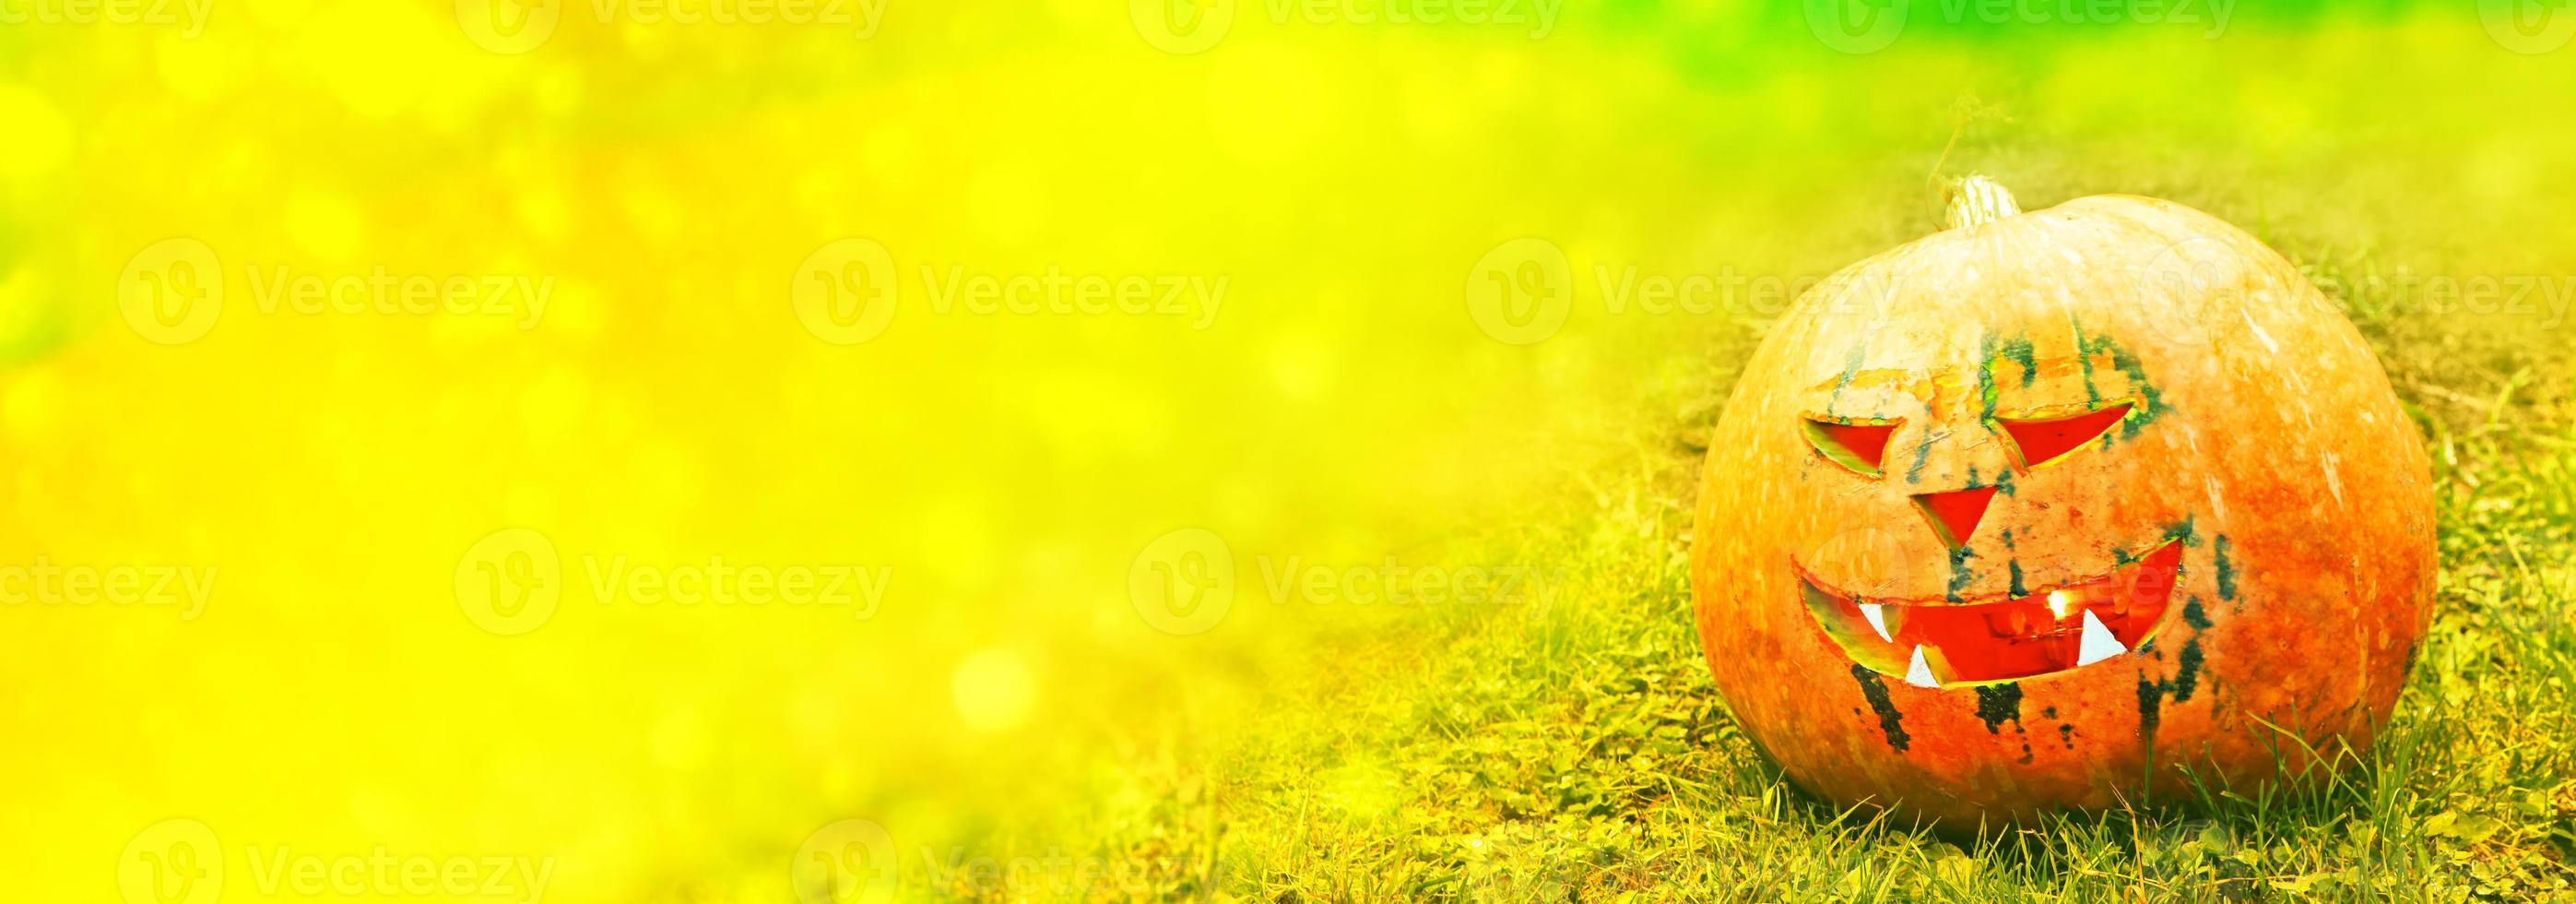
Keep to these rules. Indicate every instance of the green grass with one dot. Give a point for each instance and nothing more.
(1579, 751)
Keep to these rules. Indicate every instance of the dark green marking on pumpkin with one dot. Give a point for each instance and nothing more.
(2066, 733)
(1993, 351)
(2185, 682)
(2048, 713)
(2129, 425)
(2018, 591)
(2150, 404)
(2226, 571)
(2151, 401)
(2004, 481)
(1986, 395)
(2019, 351)
(1890, 722)
(2007, 538)
(1851, 368)
(1922, 453)
(2151, 701)
(2084, 348)
(2184, 533)
(2193, 615)
(2188, 678)
(1960, 573)
(1997, 704)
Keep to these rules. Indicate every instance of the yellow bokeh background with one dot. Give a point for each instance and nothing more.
(666, 187)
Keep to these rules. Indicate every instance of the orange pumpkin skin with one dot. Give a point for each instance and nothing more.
(2249, 543)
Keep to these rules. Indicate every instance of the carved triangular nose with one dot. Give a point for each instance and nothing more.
(1954, 514)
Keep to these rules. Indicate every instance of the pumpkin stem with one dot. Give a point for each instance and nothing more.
(1976, 200)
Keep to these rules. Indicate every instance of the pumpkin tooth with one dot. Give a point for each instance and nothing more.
(2098, 643)
(1919, 673)
(1877, 619)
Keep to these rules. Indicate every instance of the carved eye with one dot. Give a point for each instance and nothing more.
(2041, 440)
(1858, 445)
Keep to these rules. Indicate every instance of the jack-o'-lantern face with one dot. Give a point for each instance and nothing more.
(1993, 426)
(2023, 514)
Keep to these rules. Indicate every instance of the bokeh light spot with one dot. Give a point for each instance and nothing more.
(994, 690)
(325, 224)
(39, 138)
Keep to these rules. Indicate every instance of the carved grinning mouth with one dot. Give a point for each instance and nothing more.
(2001, 637)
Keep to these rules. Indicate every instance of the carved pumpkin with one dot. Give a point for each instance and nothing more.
(2032, 512)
